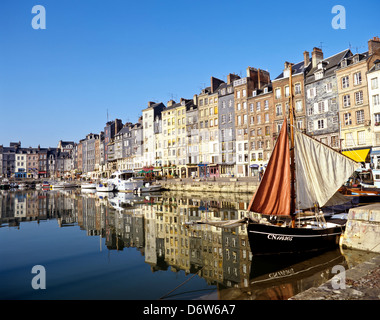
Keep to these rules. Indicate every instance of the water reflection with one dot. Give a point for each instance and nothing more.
(155, 226)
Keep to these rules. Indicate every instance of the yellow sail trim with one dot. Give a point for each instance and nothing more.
(357, 155)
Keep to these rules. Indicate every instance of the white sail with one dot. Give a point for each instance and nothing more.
(320, 172)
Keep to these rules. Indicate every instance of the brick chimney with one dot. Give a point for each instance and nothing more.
(373, 45)
(306, 58)
(232, 77)
(316, 56)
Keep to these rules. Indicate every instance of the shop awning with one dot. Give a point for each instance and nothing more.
(358, 155)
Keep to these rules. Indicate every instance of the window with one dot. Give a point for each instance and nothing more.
(239, 106)
(345, 82)
(239, 120)
(320, 124)
(258, 118)
(376, 100)
(321, 106)
(251, 107)
(361, 137)
(374, 83)
(334, 141)
(297, 88)
(318, 75)
(258, 106)
(310, 111)
(346, 101)
(349, 139)
(278, 110)
(223, 118)
(266, 117)
(357, 78)
(278, 93)
(244, 92)
(245, 119)
(359, 97)
(238, 94)
(266, 104)
(360, 116)
(347, 119)
(377, 119)
(329, 87)
(311, 93)
(310, 126)
(287, 91)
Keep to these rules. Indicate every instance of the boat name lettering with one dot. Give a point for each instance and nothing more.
(272, 236)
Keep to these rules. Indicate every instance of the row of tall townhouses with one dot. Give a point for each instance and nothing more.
(19, 162)
(230, 128)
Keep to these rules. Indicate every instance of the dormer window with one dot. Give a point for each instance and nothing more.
(318, 75)
(343, 63)
(254, 93)
(356, 59)
(265, 90)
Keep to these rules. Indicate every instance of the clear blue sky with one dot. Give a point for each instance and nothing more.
(95, 55)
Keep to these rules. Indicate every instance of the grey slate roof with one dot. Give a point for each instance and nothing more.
(330, 64)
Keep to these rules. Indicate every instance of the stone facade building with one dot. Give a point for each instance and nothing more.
(322, 103)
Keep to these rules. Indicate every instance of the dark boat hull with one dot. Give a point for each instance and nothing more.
(271, 239)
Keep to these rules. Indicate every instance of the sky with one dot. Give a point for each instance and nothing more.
(99, 60)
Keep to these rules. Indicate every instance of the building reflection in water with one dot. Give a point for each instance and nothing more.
(156, 226)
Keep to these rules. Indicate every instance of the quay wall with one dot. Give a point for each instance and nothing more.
(234, 186)
(363, 228)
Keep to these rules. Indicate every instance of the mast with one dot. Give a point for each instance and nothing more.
(292, 157)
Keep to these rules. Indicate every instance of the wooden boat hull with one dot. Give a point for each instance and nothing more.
(271, 239)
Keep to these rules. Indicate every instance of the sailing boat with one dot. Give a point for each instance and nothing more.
(301, 174)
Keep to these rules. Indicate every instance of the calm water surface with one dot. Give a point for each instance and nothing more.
(121, 246)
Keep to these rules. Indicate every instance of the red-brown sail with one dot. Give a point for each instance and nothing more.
(273, 195)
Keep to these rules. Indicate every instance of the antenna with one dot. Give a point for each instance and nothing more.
(107, 114)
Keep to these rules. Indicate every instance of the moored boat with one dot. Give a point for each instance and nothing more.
(301, 174)
(124, 181)
(148, 187)
(105, 187)
(88, 185)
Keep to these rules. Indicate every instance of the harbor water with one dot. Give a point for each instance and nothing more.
(71, 244)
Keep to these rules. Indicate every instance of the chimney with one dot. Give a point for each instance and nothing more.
(306, 58)
(195, 99)
(316, 56)
(215, 83)
(286, 65)
(170, 103)
(150, 103)
(232, 77)
(373, 45)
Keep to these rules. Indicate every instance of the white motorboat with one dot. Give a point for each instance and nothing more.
(105, 187)
(63, 185)
(124, 181)
(88, 185)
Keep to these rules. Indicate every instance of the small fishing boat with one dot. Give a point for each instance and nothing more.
(148, 187)
(302, 173)
(105, 187)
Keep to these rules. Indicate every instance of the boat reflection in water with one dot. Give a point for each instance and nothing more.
(184, 261)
